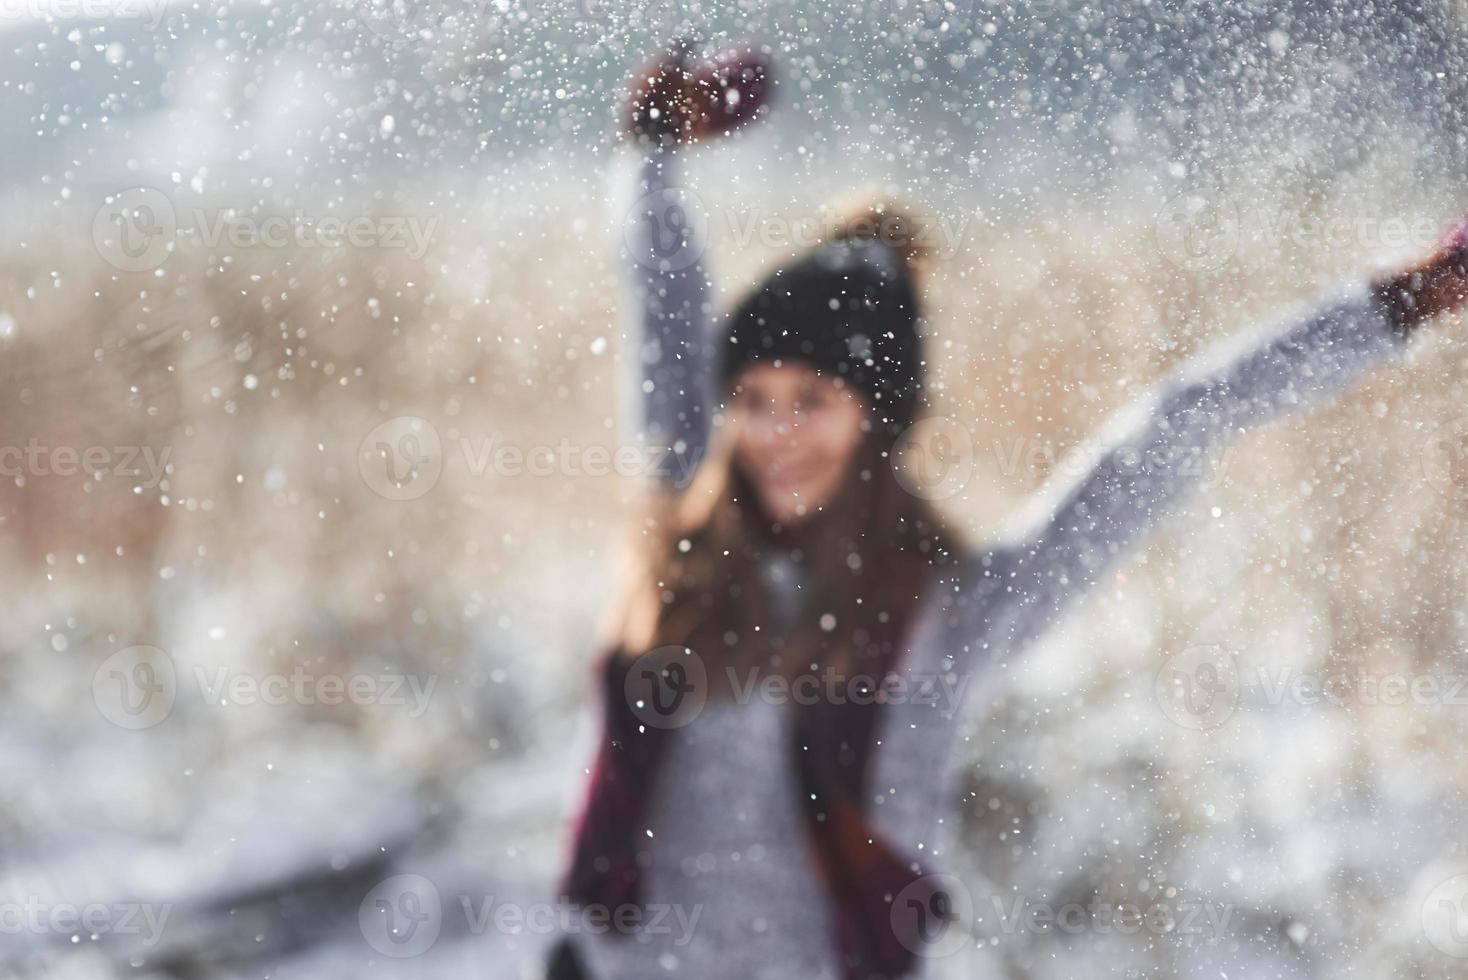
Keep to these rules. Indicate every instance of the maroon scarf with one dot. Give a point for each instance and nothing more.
(830, 751)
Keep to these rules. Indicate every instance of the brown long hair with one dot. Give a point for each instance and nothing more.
(696, 579)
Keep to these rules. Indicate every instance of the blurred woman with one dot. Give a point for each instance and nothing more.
(803, 836)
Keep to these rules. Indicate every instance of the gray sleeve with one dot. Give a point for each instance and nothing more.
(1162, 451)
(668, 401)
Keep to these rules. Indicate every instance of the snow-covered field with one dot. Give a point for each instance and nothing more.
(256, 675)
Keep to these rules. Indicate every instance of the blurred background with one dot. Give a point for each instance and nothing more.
(296, 293)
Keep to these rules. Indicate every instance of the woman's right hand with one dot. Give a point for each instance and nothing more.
(679, 99)
(1437, 285)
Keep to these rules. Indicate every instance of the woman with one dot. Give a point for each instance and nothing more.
(800, 836)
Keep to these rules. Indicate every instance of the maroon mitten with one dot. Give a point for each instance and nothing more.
(679, 99)
(1435, 286)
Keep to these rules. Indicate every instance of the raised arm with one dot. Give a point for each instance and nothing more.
(671, 306)
(677, 102)
(1141, 475)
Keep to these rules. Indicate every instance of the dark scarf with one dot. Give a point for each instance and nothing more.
(830, 751)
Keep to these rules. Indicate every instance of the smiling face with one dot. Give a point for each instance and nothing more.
(795, 433)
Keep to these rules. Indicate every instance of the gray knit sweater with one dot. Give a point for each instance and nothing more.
(735, 851)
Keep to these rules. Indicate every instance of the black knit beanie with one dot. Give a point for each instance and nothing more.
(847, 309)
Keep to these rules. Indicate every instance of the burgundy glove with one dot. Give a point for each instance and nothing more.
(679, 99)
(1436, 286)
